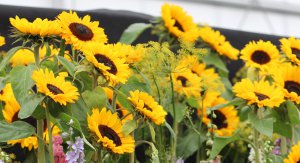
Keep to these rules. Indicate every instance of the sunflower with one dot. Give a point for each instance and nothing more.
(146, 106)
(123, 113)
(108, 129)
(80, 32)
(287, 76)
(291, 47)
(57, 88)
(39, 27)
(260, 54)
(185, 81)
(261, 93)
(226, 119)
(131, 54)
(179, 23)
(211, 37)
(294, 155)
(108, 61)
(210, 79)
(228, 50)
(2, 41)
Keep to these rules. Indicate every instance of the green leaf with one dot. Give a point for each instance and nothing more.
(215, 60)
(281, 125)
(276, 158)
(189, 144)
(79, 110)
(193, 102)
(152, 132)
(220, 143)
(133, 31)
(129, 126)
(236, 102)
(293, 113)
(15, 130)
(170, 130)
(29, 104)
(21, 81)
(67, 65)
(264, 125)
(95, 99)
(3, 81)
(9, 55)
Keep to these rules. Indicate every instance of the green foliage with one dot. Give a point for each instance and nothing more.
(293, 113)
(220, 143)
(9, 55)
(95, 99)
(263, 125)
(281, 123)
(70, 67)
(237, 102)
(133, 32)
(15, 130)
(215, 60)
(129, 127)
(29, 105)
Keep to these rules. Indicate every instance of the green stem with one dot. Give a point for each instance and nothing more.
(157, 89)
(41, 147)
(283, 147)
(37, 55)
(256, 149)
(175, 124)
(114, 101)
(99, 156)
(62, 48)
(50, 146)
(132, 154)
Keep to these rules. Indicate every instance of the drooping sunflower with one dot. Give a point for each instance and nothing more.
(108, 130)
(131, 54)
(294, 155)
(287, 76)
(179, 23)
(57, 88)
(226, 119)
(108, 61)
(146, 106)
(260, 54)
(261, 93)
(10, 112)
(80, 32)
(185, 81)
(2, 41)
(228, 50)
(291, 47)
(123, 113)
(40, 27)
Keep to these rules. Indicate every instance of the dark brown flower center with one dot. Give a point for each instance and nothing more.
(220, 120)
(260, 57)
(178, 25)
(147, 107)
(81, 31)
(261, 96)
(296, 52)
(53, 89)
(292, 86)
(107, 62)
(110, 134)
(32, 121)
(183, 80)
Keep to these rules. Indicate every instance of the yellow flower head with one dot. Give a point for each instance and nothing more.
(131, 54)
(108, 130)
(226, 119)
(179, 23)
(287, 76)
(261, 93)
(2, 41)
(294, 155)
(291, 47)
(40, 27)
(80, 32)
(146, 106)
(108, 61)
(260, 54)
(57, 88)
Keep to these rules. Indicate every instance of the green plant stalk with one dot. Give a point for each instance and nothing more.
(114, 101)
(50, 146)
(131, 158)
(62, 48)
(37, 55)
(175, 124)
(41, 147)
(256, 149)
(283, 147)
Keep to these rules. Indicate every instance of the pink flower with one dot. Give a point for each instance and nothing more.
(58, 151)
